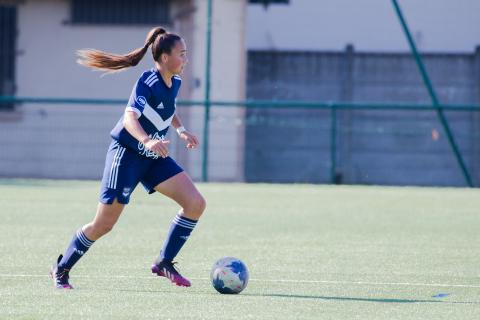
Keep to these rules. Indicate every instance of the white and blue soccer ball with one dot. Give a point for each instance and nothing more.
(229, 275)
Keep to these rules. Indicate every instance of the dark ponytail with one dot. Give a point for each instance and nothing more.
(110, 62)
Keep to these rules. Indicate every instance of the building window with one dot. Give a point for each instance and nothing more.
(124, 12)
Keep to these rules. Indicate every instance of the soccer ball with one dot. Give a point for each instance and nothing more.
(229, 275)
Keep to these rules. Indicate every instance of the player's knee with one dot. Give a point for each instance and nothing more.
(197, 206)
(107, 228)
(102, 229)
(202, 204)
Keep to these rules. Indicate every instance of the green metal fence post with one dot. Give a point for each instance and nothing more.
(333, 143)
(206, 122)
(432, 94)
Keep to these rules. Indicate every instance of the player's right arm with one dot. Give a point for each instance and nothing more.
(133, 126)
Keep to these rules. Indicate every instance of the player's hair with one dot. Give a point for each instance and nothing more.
(160, 40)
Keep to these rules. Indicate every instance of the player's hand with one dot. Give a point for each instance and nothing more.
(191, 139)
(160, 147)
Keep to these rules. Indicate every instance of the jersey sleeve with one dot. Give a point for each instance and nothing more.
(141, 93)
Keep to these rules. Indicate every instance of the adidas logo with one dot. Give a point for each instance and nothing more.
(80, 252)
(184, 237)
(160, 106)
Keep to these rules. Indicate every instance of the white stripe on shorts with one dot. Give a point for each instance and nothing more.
(115, 175)
(112, 167)
(114, 170)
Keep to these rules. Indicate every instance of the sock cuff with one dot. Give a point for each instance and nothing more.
(83, 238)
(184, 222)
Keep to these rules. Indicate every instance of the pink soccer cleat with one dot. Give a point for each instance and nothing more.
(167, 270)
(60, 276)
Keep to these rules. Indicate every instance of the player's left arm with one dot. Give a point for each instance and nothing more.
(190, 138)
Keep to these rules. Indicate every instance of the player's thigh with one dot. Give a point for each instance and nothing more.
(108, 214)
(123, 171)
(182, 190)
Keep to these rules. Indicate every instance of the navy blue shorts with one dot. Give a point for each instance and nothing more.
(125, 168)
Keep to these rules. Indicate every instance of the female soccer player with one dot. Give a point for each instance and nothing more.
(139, 153)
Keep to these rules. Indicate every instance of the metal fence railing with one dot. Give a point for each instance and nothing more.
(325, 122)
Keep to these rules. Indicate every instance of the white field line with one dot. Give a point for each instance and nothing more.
(415, 284)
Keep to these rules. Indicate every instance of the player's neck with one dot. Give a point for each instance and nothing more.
(166, 76)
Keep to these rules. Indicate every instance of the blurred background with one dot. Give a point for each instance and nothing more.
(289, 91)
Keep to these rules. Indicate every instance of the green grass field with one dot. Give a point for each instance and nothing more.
(314, 252)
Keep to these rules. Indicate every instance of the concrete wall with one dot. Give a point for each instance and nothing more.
(227, 83)
(373, 147)
(370, 25)
(297, 52)
(46, 67)
(62, 141)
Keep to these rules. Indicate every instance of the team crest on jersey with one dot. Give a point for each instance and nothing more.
(141, 100)
(126, 192)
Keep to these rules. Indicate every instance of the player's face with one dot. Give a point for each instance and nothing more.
(177, 59)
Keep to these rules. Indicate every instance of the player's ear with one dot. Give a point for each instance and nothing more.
(164, 57)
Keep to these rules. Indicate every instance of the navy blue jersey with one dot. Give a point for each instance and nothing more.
(154, 103)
